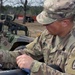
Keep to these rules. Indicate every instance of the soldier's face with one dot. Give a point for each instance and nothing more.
(54, 28)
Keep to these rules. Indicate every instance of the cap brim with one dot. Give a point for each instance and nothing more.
(43, 18)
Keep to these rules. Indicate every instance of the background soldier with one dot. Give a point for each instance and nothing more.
(56, 44)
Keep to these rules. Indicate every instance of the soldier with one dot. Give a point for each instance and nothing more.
(56, 44)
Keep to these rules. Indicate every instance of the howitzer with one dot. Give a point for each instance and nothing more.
(9, 41)
(13, 26)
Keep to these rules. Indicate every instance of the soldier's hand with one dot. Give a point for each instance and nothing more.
(24, 61)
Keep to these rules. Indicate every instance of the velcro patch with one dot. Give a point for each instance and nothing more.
(73, 65)
(70, 65)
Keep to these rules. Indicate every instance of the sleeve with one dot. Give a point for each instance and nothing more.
(70, 63)
(39, 68)
(8, 58)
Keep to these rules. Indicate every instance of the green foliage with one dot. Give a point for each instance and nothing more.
(35, 10)
(30, 10)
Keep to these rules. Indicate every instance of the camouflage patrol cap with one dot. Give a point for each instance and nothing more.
(55, 10)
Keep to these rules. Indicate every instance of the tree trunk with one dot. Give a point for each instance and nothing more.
(1, 4)
(24, 18)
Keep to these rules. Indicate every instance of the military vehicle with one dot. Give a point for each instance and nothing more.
(29, 19)
(10, 41)
(13, 27)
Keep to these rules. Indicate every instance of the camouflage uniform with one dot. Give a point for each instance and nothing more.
(54, 50)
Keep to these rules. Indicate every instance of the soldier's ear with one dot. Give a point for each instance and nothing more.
(65, 23)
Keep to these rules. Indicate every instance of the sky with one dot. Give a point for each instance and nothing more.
(33, 2)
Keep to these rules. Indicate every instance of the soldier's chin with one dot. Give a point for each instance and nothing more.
(52, 33)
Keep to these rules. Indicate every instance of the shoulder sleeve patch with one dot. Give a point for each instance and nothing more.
(73, 65)
(70, 65)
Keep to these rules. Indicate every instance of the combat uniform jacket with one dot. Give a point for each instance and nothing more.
(55, 51)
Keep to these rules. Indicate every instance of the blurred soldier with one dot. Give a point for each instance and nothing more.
(56, 44)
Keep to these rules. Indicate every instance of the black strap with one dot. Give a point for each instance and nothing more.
(56, 67)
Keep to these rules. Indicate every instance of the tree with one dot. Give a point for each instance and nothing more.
(2, 5)
(24, 4)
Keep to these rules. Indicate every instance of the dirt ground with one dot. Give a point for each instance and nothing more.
(35, 29)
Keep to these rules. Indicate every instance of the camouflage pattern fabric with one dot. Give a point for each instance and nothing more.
(8, 40)
(56, 10)
(53, 50)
